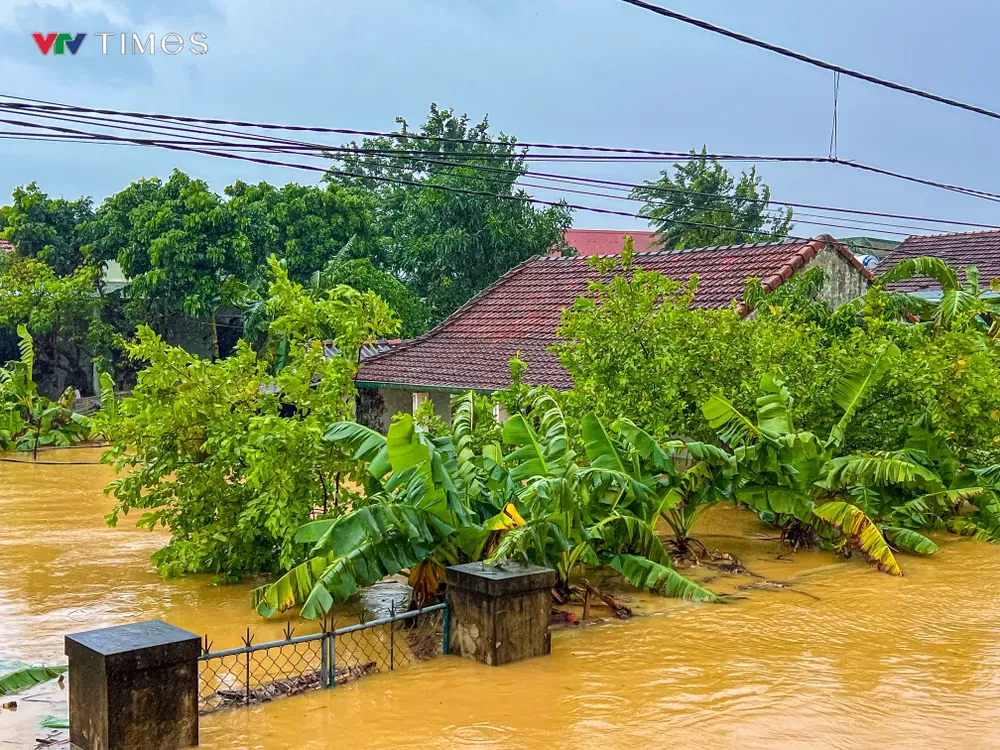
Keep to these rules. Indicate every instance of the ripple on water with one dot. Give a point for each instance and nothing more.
(481, 733)
(595, 704)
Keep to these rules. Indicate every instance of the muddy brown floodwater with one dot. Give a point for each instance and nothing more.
(840, 656)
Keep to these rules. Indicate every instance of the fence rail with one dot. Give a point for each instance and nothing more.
(259, 672)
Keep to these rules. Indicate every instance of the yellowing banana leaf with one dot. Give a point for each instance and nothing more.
(861, 534)
(508, 518)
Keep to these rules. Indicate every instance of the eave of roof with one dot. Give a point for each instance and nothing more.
(484, 341)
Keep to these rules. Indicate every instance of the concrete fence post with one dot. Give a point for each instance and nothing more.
(133, 686)
(499, 614)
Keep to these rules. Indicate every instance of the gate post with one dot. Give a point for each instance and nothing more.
(499, 614)
(133, 687)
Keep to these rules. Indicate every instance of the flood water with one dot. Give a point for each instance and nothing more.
(839, 656)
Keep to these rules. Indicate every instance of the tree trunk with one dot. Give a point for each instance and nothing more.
(215, 339)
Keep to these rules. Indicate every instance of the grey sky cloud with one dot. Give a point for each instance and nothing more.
(572, 71)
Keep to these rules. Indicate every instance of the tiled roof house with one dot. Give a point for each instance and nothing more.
(606, 241)
(520, 313)
(957, 249)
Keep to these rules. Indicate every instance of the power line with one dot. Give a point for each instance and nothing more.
(33, 105)
(291, 146)
(399, 181)
(995, 197)
(189, 146)
(784, 51)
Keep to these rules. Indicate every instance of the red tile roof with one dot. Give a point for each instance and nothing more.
(606, 241)
(521, 311)
(6, 247)
(957, 249)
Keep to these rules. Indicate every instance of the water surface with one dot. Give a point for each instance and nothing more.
(840, 656)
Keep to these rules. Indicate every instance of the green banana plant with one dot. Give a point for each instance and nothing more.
(801, 483)
(959, 302)
(432, 501)
(29, 419)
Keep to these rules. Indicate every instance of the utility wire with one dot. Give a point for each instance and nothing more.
(238, 123)
(399, 181)
(816, 62)
(291, 146)
(190, 146)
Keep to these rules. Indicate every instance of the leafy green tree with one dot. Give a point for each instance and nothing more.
(804, 484)
(445, 244)
(229, 455)
(304, 225)
(362, 275)
(62, 313)
(636, 347)
(46, 228)
(177, 243)
(702, 205)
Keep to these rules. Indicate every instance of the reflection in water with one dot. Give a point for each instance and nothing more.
(874, 661)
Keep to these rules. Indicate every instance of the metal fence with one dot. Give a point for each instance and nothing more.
(258, 672)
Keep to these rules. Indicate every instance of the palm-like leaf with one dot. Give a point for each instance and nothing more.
(882, 470)
(851, 390)
(778, 500)
(909, 540)
(365, 445)
(733, 427)
(643, 573)
(15, 677)
(861, 533)
(772, 407)
(355, 550)
(923, 266)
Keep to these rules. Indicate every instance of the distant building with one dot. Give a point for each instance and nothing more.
(607, 241)
(957, 249)
(521, 311)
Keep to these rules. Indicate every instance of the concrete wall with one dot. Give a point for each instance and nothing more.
(376, 408)
(842, 281)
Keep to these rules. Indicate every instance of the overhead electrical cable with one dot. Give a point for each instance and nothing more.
(291, 146)
(192, 144)
(816, 62)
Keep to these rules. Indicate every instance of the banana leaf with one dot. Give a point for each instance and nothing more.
(643, 573)
(861, 534)
(15, 676)
(909, 540)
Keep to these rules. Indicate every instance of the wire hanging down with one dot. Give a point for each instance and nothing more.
(816, 62)
(833, 130)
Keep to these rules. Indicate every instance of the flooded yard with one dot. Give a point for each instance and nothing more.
(837, 656)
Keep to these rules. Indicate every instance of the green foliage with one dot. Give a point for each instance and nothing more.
(304, 225)
(701, 205)
(229, 456)
(30, 421)
(362, 275)
(62, 313)
(443, 499)
(635, 346)
(15, 677)
(49, 229)
(449, 246)
(177, 243)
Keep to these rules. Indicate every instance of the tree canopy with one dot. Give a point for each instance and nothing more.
(450, 243)
(702, 205)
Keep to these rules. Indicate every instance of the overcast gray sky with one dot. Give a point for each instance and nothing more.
(572, 71)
